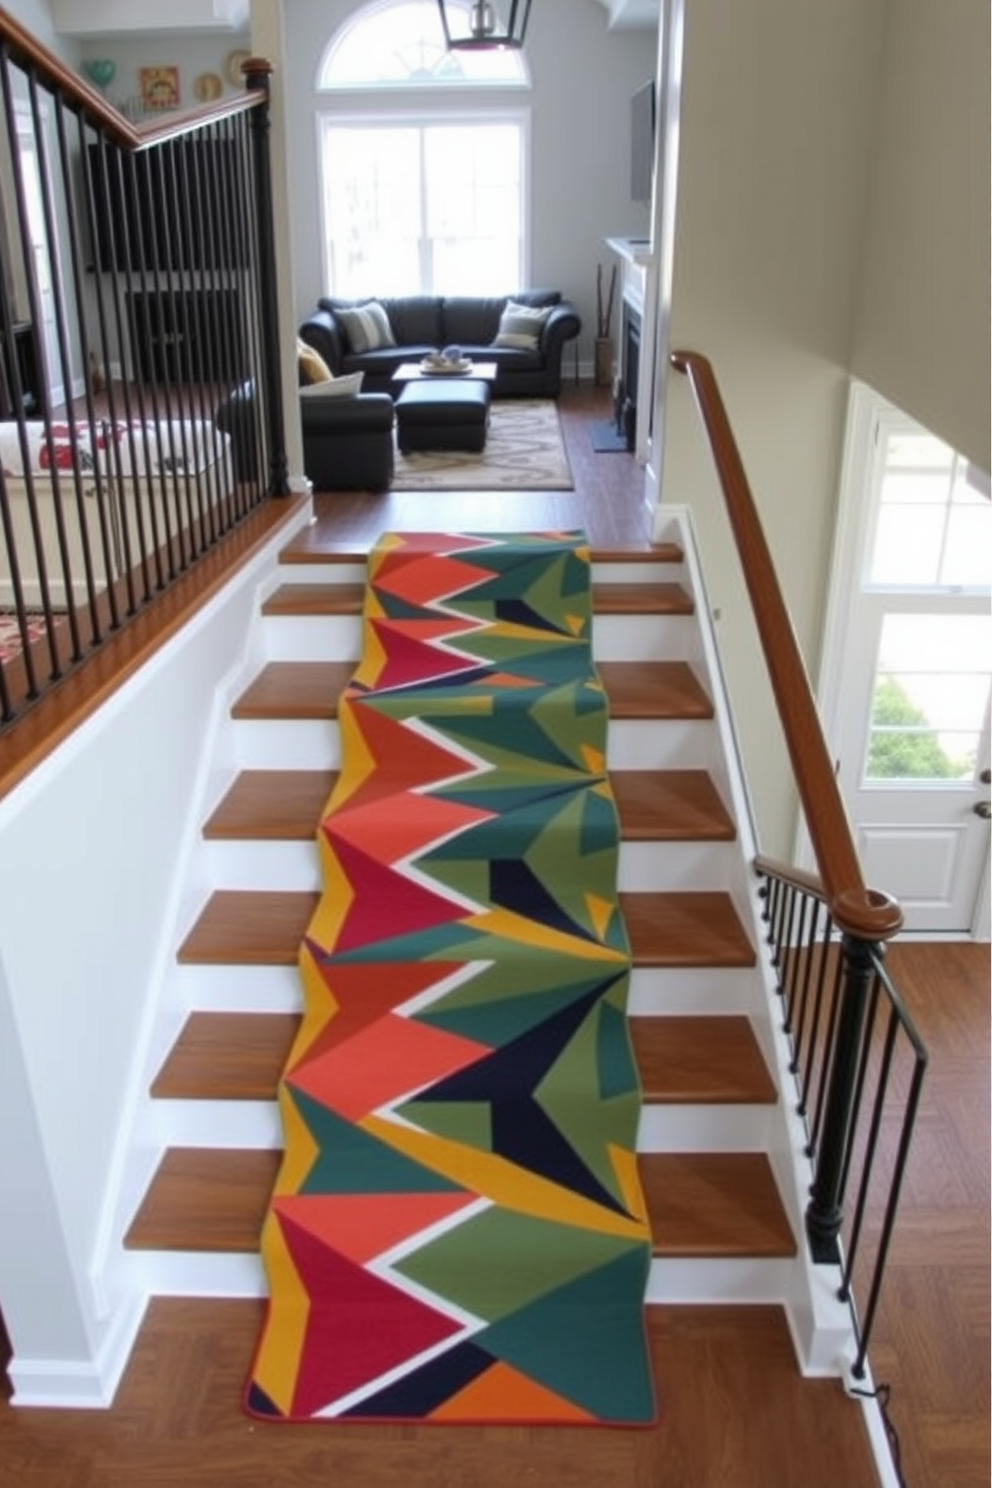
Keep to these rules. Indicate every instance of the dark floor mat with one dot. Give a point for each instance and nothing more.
(606, 440)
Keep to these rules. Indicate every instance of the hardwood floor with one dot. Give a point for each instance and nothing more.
(734, 1412)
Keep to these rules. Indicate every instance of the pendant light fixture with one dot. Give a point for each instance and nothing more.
(480, 26)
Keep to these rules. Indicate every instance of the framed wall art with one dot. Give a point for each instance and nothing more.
(159, 87)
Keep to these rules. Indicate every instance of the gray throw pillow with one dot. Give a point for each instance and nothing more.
(520, 326)
(366, 327)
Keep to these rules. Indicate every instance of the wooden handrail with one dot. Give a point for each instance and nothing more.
(30, 52)
(857, 910)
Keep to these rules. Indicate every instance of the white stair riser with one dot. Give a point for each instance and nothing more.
(194, 1273)
(703, 1128)
(654, 990)
(652, 571)
(671, 1279)
(312, 637)
(259, 864)
(289, 744)
(642, 637)
(652, 744)
(615, 637)
(664, 866)
(691, 990)
(655, 866)
(632, 744)
(327, 574)
(256, 1125)
(238, 989)
(716, 1279)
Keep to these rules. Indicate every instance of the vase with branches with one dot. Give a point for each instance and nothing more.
(604, 327)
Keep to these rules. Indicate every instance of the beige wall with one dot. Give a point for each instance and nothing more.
(922, 327)
(778, 100)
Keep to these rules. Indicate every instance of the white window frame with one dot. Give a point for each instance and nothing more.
(473, 68)
(433, 112)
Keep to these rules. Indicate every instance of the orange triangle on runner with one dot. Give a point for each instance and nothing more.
(363, 1226)
(502, 1394)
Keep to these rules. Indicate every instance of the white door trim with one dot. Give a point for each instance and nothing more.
(853, 514)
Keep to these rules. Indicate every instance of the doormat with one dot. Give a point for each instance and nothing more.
(458, 1233)
(606, 440)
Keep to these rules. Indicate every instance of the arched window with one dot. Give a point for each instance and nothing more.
(423, 181)
(399, 43)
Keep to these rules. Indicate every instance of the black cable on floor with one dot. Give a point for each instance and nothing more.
(882, 1393)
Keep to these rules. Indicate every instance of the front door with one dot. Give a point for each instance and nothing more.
(912, 671)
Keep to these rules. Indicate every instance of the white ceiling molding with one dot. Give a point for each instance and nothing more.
(630, 15)
(145, 17)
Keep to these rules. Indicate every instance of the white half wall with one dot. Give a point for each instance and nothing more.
(93, 847)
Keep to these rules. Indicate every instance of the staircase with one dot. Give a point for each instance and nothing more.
(719, 1190)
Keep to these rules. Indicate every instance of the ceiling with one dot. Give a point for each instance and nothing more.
(628, 14)
(106, 17)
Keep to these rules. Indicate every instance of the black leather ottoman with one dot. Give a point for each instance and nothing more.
(445, 414)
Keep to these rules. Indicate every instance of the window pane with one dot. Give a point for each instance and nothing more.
(919, 754)
(934, 528)
(907, 545)
(968, 555)
(424, 208)
(931, 696)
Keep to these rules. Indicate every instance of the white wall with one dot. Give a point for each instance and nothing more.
(922, 330)
(583, 77)
(94, 897)
(833, 211)
(777, 102)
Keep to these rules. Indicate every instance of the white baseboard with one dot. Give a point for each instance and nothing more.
(80, 1384)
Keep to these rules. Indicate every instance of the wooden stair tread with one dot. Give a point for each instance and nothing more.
(310, 689)
(653, 689)
(641, 599)
(246, 927)
(685, 928)
(693, 1060)
(272, 805)
(295, 689)
(670, 805)
(685, 1059)
(607, 599)
(654, 805)
(205, 1199)
(714, 1204)
(256, 926)
(227, 1056)
(315, 599)
(699, 1204)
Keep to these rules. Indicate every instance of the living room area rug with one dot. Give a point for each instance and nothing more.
(524, 450)
(457, 1232)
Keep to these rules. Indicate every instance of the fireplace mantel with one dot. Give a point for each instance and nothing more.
(632, 350)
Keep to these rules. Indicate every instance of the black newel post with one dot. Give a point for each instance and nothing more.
(257, 72)
(824, 1213)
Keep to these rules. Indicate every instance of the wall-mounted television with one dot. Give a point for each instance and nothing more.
(642, 127)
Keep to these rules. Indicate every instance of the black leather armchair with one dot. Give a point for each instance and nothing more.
(347, 442)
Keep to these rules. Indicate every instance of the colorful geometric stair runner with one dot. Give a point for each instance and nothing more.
(457, 1232)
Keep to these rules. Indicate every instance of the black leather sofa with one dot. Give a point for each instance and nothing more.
(425, 323)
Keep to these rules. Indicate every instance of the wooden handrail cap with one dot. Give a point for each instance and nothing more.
(870, 914)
